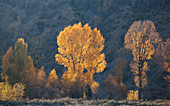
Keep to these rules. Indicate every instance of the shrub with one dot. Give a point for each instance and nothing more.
(11, 93)
(132, 95)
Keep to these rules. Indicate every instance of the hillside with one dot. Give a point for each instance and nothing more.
(40, 21)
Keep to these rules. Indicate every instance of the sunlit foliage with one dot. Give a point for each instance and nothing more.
(80, 48)
(141, 39)
(94, 87)
(11, 93)
(132, 95)
(52, 84)
(41, 82)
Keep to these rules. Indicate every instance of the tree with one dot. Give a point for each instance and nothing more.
(52, 84)
(141, 38)
(80, 48)
(41, 82)
(121, 64)
(122, 89)
(111, 86)
(163, 57)
(118, 70)
(72, 88)
(17, 66)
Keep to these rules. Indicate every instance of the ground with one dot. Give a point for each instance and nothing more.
(81, 102)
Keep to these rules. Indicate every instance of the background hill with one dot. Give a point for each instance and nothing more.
(40, 21)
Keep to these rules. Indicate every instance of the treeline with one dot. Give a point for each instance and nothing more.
(81, 51)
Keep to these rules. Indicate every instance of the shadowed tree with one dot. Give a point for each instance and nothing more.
(37, 57)
(17, 66)
(80, 48)
(141, 38)
(111, 86)
(163, 57)
(121, 64)
(41, 82)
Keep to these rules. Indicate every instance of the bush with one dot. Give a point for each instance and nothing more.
(132, 95)
(11, 93)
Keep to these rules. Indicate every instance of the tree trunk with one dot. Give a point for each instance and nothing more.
(140, 82)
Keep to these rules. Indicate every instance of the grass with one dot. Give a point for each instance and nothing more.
(81, 102)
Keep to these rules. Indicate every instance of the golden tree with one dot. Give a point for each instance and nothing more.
(41, 81)
(80, 48)
(141, 39)
(52, 83)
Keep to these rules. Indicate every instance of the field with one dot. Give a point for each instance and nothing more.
(80, 102)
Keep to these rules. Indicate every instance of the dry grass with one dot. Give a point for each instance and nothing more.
(81, 102)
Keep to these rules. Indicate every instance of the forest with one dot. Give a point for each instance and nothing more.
(85, 50)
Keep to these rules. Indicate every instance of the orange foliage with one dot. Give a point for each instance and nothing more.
(80, 49)
(141, 39)
(11, 93)
(132, 95)
(94, 87)
(41, 82)
(52, 83)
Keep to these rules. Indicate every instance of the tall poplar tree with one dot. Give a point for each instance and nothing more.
(141, 38)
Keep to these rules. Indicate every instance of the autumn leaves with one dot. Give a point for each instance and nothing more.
(141, 38)
(81, 52)
(80, 49)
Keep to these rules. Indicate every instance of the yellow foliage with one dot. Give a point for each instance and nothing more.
(141, 39)
(94, 87)
(80, 48)
(41, 78)
(53, 76)
(132, 95)
(11, 93)
(52, 83)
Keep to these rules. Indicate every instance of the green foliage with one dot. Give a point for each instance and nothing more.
(17, 66)
(11, 93)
